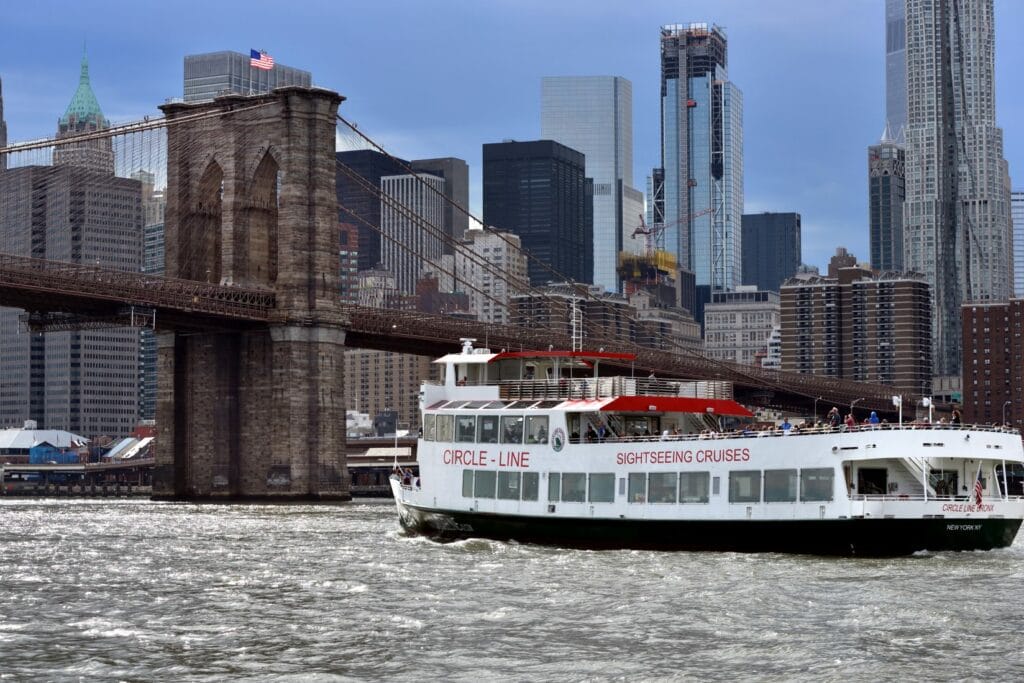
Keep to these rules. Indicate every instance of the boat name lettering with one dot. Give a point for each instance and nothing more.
(967, 507)
(472, 458)
(687, 456)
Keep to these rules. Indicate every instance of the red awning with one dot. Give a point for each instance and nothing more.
(675, 404)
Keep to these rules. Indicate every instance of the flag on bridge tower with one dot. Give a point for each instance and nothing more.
(258, 59)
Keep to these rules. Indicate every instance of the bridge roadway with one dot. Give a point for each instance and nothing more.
(60, 295)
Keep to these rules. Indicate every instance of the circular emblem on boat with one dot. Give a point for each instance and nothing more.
(557, 439)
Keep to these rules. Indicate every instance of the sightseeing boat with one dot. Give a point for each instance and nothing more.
(539, 447)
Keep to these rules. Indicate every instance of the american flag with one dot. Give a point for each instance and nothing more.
(260, 60)
(977, 488)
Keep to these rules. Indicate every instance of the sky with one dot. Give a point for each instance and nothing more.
(441, 78)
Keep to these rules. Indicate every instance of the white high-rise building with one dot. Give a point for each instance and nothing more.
(411, 219)
(594, 115)
(488, 287)
(957, 212)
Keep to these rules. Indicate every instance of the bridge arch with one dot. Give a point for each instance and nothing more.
(200, 230)
(258, 223)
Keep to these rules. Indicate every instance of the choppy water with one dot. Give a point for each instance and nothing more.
(136, 590)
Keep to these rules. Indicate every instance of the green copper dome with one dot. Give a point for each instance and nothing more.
(84, 106)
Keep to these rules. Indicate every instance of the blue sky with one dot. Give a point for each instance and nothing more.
(441, 78)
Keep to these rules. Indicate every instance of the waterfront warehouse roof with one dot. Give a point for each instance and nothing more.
(23, 439)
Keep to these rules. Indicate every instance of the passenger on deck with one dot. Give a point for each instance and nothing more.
(785, 426)
(956, 419)
(833, 418)
(850, 422)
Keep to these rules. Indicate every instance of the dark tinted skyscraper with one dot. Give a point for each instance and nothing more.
(886, 180)
(360, 203)
(771, 249)
(537, 190)
(217, 73)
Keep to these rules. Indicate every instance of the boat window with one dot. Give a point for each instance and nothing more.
(467, 483)
(693, 487)
(488, 428)
(531, 485)
(454, 405)
(465, 428)
(483, 483)
(511, 429)
(508, 485)
(444, 427)
(816, 484)
(537, 429)
(495, 405)
(662, 487)
(716, 485)
(428, 427)
(519, 405)
(779, 486)
(1014, 479)
(475, 404)
(602, 488)
(637, 487)
(574, 487)
(554, 487)
(546, 405)
(572, 421)
(745, 486)
(637, 426)
(435, 406)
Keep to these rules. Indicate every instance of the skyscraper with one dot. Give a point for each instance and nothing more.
(77, 211)
(956, 218)
(886, 192)
(218, 73)
(455, 173)
(771, 249)
(594, 115)
(410, 218)
(3, 128)
(489, 296)
(359, 200)
(1017, 212)
(896, 68)
(537, 190)
(701, 157)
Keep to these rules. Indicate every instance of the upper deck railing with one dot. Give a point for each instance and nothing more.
(591, 388)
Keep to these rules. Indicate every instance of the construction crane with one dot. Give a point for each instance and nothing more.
(652, 233)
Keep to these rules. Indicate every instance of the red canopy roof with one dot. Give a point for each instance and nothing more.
(675, 404)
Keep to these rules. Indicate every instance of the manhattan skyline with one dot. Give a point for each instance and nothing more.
(430, 81)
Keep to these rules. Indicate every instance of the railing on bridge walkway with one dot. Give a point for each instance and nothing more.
(134, 289)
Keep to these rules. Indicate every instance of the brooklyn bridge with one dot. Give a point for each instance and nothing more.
(250, 327)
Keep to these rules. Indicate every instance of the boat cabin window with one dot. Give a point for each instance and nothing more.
(574, 487)
(484, 482)
(531, 485)
(693, 487)
(467, 483)
(1014, 479)
(465, 428)
(637, 487)
(511, 429)
(508, 485)
(662, 487)
(641, 425)
(602, 488)
(445, 427)
(780, 486)
(745, 486)
(816, 484)
(428, 427)
(537, 429)
(554, 487)
(488, 428)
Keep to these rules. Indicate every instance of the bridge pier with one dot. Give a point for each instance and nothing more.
(258, 412)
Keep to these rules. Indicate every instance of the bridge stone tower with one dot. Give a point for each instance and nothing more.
(255, 412)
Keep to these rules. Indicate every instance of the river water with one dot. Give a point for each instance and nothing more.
(135, 590)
